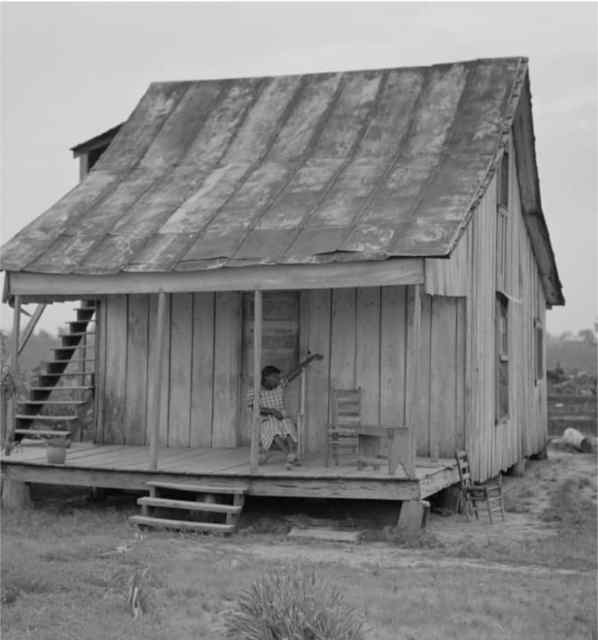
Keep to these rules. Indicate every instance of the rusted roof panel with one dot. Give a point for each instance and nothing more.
(294, 169)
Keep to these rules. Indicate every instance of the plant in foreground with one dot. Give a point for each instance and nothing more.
(292, 604)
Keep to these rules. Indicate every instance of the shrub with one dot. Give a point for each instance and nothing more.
(291, 604)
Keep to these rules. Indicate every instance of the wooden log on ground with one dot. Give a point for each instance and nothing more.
(321, 533)
(577, 440)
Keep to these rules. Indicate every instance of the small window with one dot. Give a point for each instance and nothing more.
(539, 350)
(502, 358)
(503, 181)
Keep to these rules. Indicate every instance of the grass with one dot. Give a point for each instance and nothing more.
(66, 570)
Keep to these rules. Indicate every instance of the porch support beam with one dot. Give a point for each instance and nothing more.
(414, 393)
(39, 287)
(37, 314)
(156, 392)
(257, 376)
(11, 395)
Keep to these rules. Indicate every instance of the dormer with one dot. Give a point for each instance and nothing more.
(89, 152)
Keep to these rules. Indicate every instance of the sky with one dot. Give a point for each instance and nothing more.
(71, 70)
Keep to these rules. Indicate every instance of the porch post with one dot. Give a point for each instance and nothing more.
(14, 361)
(257, 375)
(156, 392)
(412, 414)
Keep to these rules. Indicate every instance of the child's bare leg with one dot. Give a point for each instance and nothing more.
(292, 448)
(281, 443)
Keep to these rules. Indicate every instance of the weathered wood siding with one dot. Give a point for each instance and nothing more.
(472, 269)
(362, 333)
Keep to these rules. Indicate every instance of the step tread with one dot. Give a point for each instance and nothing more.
(68, 334)
(182, 524)
(66, 373)
(198, 488)
(190, 505)
(21, 402)
(43, 432)
(68, 388)
(68, 360)
(39, 416)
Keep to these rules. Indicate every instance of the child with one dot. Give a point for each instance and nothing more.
(276, 428)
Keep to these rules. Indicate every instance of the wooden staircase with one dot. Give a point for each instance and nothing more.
(221, 506)
(39, 416)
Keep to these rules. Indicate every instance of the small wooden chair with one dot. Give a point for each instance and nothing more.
(473, 493)
(347, 435)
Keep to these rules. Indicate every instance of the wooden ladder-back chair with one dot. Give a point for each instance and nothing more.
(361, 444)
(473, 493)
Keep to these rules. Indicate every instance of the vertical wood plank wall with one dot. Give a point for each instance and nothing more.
(362, 333)
(472, 270)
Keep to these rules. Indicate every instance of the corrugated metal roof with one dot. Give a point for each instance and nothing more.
(361, 165)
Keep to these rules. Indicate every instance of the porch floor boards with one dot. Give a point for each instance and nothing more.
(128, 467)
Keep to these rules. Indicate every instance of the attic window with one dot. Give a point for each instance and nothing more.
(93, 155)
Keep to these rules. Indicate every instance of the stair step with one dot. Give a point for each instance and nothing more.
(67, 361)
(43, 433)
(48, 374)
(182, 524)
(77, 333)
(198, 488)
(167, 503)
(42, 402)
(39, 416)
(69, 388)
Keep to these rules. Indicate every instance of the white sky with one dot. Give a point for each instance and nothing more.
(69, 71)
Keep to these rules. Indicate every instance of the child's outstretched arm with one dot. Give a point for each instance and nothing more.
(297, 370)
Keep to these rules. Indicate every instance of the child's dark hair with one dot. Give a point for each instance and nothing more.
(269, 369)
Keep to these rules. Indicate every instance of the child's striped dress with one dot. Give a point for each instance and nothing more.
(271, 426)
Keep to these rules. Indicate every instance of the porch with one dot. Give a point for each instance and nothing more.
(128, 467)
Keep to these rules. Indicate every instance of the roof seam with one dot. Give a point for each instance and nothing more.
(254, 165)
(334, 178)
(105, 193)
(324, 117)
(162, 178)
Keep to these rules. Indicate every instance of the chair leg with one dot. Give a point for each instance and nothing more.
(489, 506)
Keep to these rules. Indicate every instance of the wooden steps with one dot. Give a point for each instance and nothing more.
(165, 523)
(214, 501)
(73, 348)
(191, 506)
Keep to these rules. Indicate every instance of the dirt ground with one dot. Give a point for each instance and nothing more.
(67, 564)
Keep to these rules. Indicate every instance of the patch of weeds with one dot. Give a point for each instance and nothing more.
(569, 506)
(17, 582)
(265, 524)
(411, 540)
(294, 604)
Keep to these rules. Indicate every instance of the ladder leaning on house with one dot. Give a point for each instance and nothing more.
(51, 408)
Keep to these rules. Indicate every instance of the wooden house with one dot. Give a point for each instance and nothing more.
(389, 220)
